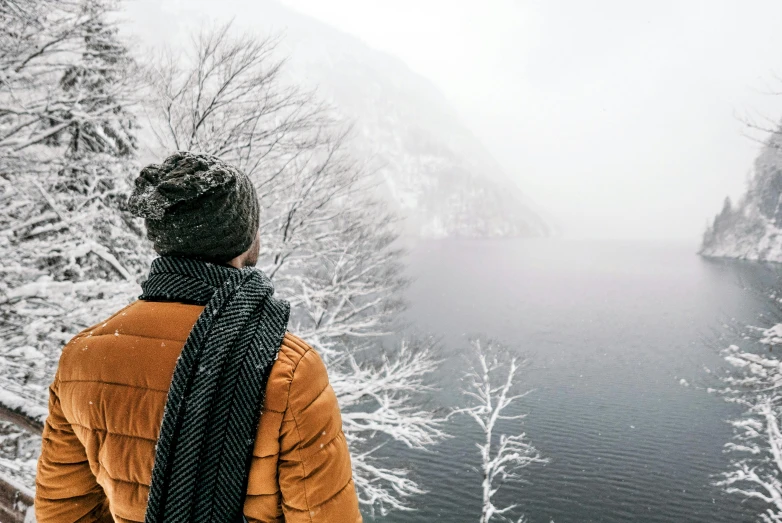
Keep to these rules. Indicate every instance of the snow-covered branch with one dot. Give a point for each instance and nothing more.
(755, 382)
(490, 385)
(328, 245)
(381, 404)
(756, 474)
(66, 155)
(67, 142)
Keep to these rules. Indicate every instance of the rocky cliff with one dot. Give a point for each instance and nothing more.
(752, 228)
(431, 167)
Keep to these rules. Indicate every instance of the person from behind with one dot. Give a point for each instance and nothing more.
(194, 403)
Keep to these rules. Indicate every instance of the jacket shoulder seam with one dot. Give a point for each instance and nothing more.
(293, 373)
(136, 336)
(95, 326)
(298, 433)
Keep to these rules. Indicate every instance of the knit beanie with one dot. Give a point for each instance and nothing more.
(196, 206)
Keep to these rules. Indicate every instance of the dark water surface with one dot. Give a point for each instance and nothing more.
(610, 329)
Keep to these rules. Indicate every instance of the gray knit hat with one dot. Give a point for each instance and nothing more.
(196, 206)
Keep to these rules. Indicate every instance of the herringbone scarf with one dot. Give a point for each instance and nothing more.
(214, 403)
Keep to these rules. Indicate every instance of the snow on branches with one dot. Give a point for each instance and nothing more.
(380, 399)
(328, 245)
(755, 382)
(491, 386)
(67, 144)
(64, 78)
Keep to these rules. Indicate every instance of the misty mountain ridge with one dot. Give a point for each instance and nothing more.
(431, 168)
(752, 229)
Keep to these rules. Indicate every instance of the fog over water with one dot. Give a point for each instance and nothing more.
(610, 329)
(626, 124)
(435, 180)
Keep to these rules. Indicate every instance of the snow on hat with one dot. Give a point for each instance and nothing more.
(196, 206)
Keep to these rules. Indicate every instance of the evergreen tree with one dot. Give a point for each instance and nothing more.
(101, 71)
(66, 158)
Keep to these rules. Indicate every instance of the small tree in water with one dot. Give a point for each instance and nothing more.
(490, 384)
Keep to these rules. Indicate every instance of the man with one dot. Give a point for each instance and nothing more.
(158, 413)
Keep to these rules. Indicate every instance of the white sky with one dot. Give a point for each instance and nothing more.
(619, 117)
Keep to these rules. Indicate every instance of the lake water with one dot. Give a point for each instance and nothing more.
(609, 329)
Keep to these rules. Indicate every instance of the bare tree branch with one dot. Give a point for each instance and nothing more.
(489, 384)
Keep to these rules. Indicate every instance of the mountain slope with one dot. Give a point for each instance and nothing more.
(432, 169)
(752, 229)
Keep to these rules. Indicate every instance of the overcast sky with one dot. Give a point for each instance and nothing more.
(620, 117)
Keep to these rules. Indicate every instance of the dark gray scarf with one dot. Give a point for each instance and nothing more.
(214, 404)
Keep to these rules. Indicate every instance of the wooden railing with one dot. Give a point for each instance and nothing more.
(16, 500)
(21, 419)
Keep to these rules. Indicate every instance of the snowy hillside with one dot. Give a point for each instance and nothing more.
(752, 229)
(431, 168)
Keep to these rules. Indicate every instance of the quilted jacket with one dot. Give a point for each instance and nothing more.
(106, 406)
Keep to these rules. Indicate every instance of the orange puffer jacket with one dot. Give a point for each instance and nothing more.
(106, 406)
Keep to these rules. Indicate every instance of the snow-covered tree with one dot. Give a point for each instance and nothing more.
(755, 382)
(328, 244)
(491, 387)
(73, 253)
(65, 142)
(66, 154)
(224, 94)
(66, 136)
(62, 72)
